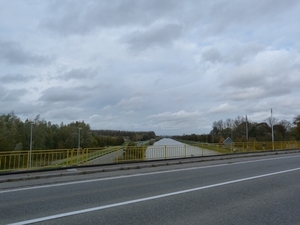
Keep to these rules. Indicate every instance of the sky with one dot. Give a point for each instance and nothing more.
(173, 67)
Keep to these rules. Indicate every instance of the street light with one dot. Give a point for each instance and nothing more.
(79, 137)
(272, 128)
(30, 148)
(247, 138)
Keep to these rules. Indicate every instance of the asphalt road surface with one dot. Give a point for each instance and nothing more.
(261, 190)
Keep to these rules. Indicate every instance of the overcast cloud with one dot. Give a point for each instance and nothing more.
(173, 67)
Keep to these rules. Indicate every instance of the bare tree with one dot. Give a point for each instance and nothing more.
(271, 121)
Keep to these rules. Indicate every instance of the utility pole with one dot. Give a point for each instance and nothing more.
(30, 148)
(272, 128)
(246, 128)
(79, 137)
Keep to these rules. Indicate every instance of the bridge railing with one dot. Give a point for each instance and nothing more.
(239, 147)
(58, 158)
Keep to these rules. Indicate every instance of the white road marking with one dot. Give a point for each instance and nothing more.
(57, 216)
(72, 170)
(141, 174)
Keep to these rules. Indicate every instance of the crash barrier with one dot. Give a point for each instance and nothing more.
(240, 147)
(178, 151)
(39, 159)
(58, 158)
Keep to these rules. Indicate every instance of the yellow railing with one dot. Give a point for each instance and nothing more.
(239, 147)
(44, 159)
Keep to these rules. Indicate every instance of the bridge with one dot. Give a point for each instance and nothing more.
(61, 158)
(237, 190)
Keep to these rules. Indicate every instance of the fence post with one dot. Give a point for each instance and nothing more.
(184, 151)
(77, 155)
(28, 159)
(165, 152)
(143, 153)
(67, 163)
(87, 156)
(72, 151)
(117, 155)
(82, 150)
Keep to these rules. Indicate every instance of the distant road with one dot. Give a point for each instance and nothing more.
(108, 158)
(261, 190)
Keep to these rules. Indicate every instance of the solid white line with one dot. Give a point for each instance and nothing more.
(142, 174)
(57, 216)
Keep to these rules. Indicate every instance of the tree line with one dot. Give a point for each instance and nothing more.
(131, 135)
(15, 135)
(242, 129)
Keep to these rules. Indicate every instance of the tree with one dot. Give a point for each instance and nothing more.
(296, 122)
(286, 124)
(271, 121)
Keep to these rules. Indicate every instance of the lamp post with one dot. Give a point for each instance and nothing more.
(272, 129)
(30, 148)
(79, 137)
(247, 137)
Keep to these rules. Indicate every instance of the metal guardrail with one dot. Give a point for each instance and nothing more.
(239, 147)
(58, 158)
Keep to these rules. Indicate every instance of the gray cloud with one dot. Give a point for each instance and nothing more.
(201, 19)
(265, 75)
(13, 53)
(232, 52)
(247, 14)
(15, 78)
(9, 96)
(176, 120)
(156, 36)
(78, 74)
(82, 17)
(60, 94)
(212, 55)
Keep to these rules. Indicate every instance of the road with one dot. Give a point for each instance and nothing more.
(108, 158)
(260, 190)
